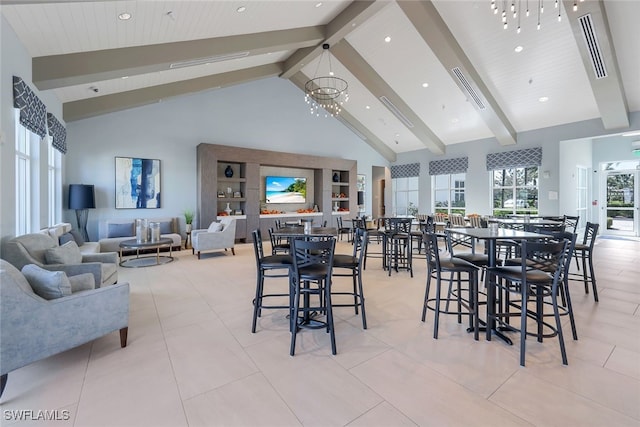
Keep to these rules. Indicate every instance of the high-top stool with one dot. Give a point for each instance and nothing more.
(354, 263)
(264, 265)
(584, 252)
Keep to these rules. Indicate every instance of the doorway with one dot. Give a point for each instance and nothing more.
(619, 212)
(378, 191)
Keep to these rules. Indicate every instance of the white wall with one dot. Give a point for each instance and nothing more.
(267, 114)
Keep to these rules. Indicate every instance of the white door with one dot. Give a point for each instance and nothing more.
(620, 210)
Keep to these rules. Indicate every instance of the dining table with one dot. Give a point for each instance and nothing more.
(491, 236)
(299, 231)
(520, 222)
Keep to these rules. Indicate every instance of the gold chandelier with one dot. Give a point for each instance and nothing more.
(327, 92)
(517, 8)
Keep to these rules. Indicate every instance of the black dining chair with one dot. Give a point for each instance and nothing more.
(455, 268)
(267, 266)
(538, 278)
(353, 263)
(278, 246)
(342, 230)
(396, 245)
(311, 273)
(584, 252)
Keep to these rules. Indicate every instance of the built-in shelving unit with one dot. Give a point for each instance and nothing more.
(247, 184)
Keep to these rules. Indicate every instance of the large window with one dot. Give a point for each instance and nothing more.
(23, 178)
(54, 179)
(405, 191)
(448, 193)
(515, 191)
(582, 194)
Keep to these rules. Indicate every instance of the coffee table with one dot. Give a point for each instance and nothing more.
(145, 261)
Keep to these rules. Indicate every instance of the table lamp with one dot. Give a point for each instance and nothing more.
(82, 198)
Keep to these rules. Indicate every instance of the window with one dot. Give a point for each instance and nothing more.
(448, 193)
(582, 190)
(23, 178)
(515, 191)
(405, 192)
(54, 180)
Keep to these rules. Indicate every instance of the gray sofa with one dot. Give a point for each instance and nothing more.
(113, 231)
(61, 231)
(33, 328)
(32, 249)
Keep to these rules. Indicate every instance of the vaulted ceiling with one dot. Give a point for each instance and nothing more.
(421, 74)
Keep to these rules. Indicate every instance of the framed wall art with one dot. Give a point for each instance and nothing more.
(137, 183)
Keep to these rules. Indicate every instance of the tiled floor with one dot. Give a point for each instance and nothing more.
(192, 360)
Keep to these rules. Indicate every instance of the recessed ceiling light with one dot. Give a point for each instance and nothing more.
(425, 84)
(125, 77)
(367, 107)
(241, 9)
(387, 39)
(318, 4)
(518, 49)
(124, 16)
(543, 99)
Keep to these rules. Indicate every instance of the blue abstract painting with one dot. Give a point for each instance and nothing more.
(137, 183)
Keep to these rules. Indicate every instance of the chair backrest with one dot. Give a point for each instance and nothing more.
(478, 222)
(27, 249)
(571, 223)
(258, 250)
(560, 236)
(548, 256)
(542, 228)
(590, 233)
(440, 217)
(457, 220)
(360, 241)
(397, 225)
(339, 222)
(313, 255)
(430, 241)
(278, 223)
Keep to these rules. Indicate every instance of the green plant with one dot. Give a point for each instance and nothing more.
(188, 216)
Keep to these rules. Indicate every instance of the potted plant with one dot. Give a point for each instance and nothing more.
(188, 219)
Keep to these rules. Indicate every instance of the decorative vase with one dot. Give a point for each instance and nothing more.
(336, 177)
(228, 172)
(227, 209)
(189, 227)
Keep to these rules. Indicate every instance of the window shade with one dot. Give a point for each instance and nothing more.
(58, 132)
(32, 110)
(405, 171)
(449, 166)
(515, 159)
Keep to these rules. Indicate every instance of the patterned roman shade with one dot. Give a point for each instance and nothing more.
(515, 159)
(449, 166)
(405, 171)
(58, 132)
(32, 110)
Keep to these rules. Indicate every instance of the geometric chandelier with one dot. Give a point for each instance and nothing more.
(327, 92)
(515, 9)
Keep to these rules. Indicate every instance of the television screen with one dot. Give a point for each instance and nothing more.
(285, 189)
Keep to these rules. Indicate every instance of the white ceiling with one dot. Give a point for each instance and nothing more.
(78, 45)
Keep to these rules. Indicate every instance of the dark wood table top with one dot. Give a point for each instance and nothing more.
(299, 232)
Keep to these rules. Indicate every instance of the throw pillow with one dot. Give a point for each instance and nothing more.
(47, 284)
(165, 227)
(66, 237)
(121, 230)
(214, 227)
(77, 237)
(69, 253)
(82, 282)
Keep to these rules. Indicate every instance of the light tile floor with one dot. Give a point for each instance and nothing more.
(192, 360)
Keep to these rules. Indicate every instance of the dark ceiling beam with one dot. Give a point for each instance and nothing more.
(608, 91)
(50, 72)
(360, 68)
(432, 28)
(91, 107)
(299, 79)
(348, 20)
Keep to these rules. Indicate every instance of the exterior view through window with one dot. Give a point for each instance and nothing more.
(448, 193)
(515, 191)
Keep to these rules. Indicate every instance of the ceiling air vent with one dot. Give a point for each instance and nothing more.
(589, 34)
(351, 127)
(396, 112)
(208, 60)
(467, 86)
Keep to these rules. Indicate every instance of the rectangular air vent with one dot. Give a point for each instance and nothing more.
(396, 112)
(589, 34)
(351, 127)
(208, 60)
(467, 86)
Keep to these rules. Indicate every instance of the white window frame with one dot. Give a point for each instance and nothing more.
(452, 190)
(516, 207)
(582, 195)
(54, 183)
(23, 185)
(405, 195)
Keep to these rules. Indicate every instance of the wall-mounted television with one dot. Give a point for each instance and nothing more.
(285, 189)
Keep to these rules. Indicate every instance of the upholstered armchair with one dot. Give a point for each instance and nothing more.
(42, 250)
(33, 328)
(219, 235)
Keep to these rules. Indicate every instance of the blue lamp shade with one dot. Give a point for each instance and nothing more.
(81, 196)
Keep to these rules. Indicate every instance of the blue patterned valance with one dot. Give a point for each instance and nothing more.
(32, 110)
(515, 159)
(58, 132)
(449, 166)
(405, 171)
